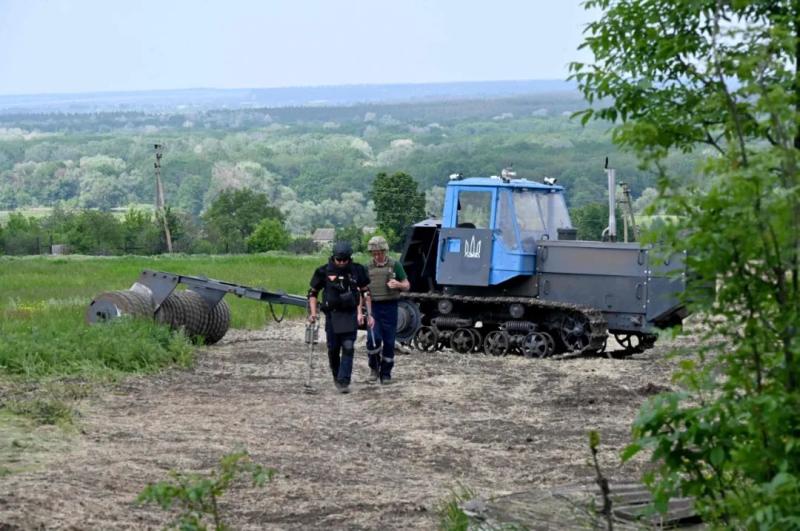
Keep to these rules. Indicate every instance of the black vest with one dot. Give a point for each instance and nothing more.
(341, 289)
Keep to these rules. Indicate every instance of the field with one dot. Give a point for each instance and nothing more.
(382, 457)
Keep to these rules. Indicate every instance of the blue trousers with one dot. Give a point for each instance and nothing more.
(380, 340)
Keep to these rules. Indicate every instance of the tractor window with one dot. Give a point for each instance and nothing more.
(529, 218)
(505, 220)
(555, 213)
(474, 209)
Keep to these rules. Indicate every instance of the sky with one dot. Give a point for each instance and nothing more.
(64, 46)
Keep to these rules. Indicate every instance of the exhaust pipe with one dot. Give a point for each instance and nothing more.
(611, 230)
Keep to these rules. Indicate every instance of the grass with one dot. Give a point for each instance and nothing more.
(39, 283)
(451, 516)
(50, 358)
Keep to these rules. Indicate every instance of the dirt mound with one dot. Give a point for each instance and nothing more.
(381, 457)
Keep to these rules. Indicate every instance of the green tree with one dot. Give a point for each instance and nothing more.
(95, 232)
(352, 234)
(234, 215)
(22, 235)
(720, 80)
(398, 204)
(592, 219)
(141, 235)
(270, 235)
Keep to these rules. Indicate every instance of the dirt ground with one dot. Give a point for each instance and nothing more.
(382, 457)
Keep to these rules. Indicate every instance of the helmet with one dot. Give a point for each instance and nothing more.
(377, 243)
(342, 250)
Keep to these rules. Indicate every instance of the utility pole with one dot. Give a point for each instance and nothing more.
(628, 218)
(161, 210)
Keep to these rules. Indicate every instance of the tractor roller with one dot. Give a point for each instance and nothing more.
(114, 304)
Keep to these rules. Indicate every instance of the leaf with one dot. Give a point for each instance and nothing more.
(630, 451)
(717, 456)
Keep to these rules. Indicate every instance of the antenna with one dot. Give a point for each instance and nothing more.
(160, 203)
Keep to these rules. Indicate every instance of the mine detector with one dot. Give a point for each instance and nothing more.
(501, 272)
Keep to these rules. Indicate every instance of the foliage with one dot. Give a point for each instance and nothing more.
(592, 219)
(234, 215)
(302, 245)
(316, 174)
(720, 78)
(398, 204)
(451, 516)
(352, 234)
(37, 344)
(198, 496)
(269, 235)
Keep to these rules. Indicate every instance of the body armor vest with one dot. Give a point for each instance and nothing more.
(378, 277)
(341, 291)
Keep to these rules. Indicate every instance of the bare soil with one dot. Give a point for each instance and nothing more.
(381, 457)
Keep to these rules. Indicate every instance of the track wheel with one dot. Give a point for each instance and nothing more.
(538, 345)
(478, 345)
(575, 332)
(426, 339)
(630, 342)
(462, 341)
(496, 343)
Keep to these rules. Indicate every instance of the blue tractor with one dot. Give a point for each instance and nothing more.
(502, 273)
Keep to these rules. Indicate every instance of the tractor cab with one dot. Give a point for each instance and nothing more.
(491, 226)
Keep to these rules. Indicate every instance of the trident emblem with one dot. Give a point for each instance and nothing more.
(472, 248)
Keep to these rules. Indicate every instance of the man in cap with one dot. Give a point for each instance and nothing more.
(345, 287)
(387, 280)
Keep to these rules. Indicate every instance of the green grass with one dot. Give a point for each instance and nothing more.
(47, 346)
(37, 285)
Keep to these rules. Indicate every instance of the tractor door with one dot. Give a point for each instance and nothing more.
(465, 246)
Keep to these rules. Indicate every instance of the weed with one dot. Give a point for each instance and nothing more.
(198, 495)
(42, 410)
(451, 516)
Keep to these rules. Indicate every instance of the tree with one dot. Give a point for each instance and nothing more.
(141, 234)
(95, 232)
(234, 215)
(398, 204)
(352, 234)
(592, 219)
(720, 80)
(269, 235)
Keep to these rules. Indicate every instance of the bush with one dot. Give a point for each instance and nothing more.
(198, 495)
(269, 235)
(303, 245)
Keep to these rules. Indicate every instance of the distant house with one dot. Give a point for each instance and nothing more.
(323, 236)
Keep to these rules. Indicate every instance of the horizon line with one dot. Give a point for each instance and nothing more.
(282, 87)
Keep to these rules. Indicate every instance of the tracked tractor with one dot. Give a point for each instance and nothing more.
(501, 272)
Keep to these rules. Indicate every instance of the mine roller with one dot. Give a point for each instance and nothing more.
(200, 310)
(501, 272)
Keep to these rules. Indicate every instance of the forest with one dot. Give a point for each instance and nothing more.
(315, 165)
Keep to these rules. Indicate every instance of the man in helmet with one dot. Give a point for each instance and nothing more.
(387, 280)
(345, 287)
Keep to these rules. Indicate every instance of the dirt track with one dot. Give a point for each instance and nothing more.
(381, 457)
